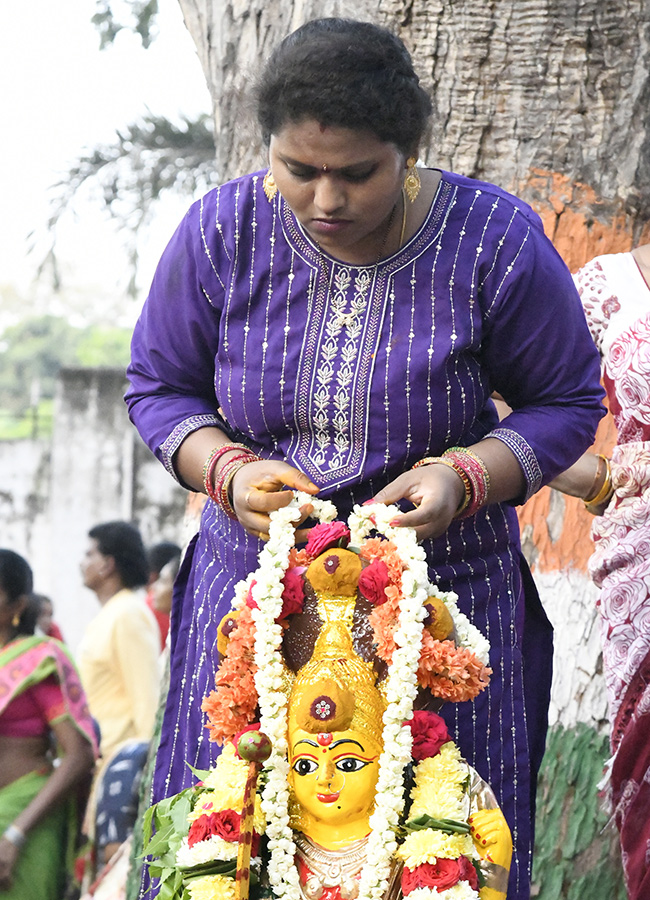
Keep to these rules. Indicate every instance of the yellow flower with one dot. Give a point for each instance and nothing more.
(212, 887)
(229, 772)
(439, 789)
(429, 844)
(227, 782)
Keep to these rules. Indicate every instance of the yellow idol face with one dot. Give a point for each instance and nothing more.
(333, 779)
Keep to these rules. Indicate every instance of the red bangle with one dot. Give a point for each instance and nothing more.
(213, 459)
(219, 492)
(478, 476)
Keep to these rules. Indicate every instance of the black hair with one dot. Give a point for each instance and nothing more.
(344, 73)
(123, 542)
(17, 581)
(16, 577)
(160, 554)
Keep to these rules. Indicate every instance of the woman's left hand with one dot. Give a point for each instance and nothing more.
(435, 490)
(8, 857)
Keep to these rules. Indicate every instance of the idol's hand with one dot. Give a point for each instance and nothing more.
(8, 857)
(435, 490)
(258, 488)
(491, 836)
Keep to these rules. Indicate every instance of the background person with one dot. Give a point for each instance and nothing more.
(615, 294)
(43, 713)
(118, 655)
(349, 315)
(158, 599)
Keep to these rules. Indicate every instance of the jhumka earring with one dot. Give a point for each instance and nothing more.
(412, 182)
(270, 187)
(16, 620)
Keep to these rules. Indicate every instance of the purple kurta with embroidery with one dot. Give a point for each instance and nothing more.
(351, 374)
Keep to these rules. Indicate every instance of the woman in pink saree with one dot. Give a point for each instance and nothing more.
(615, 294)
(42, 707)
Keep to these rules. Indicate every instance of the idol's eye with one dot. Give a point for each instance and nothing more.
(350, 764)
(304, 766)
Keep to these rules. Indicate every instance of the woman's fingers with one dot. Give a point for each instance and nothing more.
(262, 487)
(435, 491)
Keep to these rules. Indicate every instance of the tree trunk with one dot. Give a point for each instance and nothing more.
(549, 99)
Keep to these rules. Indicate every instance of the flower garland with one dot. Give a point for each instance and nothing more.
(267, 595)
(438, 864)
(259, 601)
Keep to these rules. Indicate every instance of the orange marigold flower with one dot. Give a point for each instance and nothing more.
(231, 707)
(376, 548)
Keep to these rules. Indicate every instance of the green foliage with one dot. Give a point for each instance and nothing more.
(576, 855)
(104, 347)
(148, 159)
(141, 18)
(33, 353)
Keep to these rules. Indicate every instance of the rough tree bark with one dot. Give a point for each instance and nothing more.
(549, 99)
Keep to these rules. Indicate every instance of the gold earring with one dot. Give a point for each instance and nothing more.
(16, 620)
(412, 182)
(270, 187)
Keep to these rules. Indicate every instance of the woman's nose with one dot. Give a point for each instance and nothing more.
(329, 195)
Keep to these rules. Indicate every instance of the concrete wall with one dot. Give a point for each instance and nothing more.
(93, 469)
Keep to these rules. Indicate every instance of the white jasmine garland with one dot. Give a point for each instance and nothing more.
(267, 593)
(205, 851)
(401, 692)
(460, 891)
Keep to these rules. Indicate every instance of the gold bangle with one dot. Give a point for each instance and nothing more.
(605, 493)
(594, 490)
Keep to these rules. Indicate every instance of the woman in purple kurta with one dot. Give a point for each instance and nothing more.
(264, 327)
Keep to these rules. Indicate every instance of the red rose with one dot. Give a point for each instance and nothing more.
(199, 830)
(323, 536)
(373, 582)
(468, 872)
(429, 734)
(293, 593)
(225, 824)
(442, 874)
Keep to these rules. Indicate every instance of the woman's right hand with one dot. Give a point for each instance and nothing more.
(258, 488)
(8, 857)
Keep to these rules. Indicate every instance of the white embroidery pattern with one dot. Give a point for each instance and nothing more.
(332, 396)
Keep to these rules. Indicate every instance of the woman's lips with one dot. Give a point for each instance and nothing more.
(328, 798)
(328, 226)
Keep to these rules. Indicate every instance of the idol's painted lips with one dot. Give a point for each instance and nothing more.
(328, 798)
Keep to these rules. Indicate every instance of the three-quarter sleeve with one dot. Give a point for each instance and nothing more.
(542, 360)
(171, 373)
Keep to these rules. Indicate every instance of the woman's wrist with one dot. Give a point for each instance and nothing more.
(473, 473)
(602, 488)
(219, 471)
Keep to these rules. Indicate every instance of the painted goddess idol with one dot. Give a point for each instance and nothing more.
(337, 779)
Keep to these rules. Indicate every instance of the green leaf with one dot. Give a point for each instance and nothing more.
(179, 813)
(147, 825)
(451, 826)
(159, 843)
